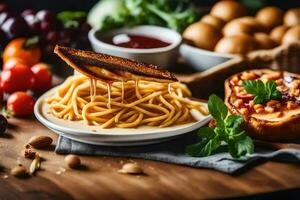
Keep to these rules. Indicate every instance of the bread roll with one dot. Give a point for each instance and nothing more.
(237, 44)
(228, 10)
(202, 35)
(270, 17)
(292, 35)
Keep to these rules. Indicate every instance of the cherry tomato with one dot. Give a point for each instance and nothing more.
(11, 62)
(20, 104)
(42, 77)
(16, 48)
(18, 78)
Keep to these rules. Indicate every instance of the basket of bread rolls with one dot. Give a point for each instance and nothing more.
(228, 32)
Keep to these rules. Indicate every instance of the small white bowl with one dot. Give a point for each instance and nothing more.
(163, 57)
(201, 59)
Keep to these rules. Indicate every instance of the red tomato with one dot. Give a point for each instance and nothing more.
(16, 48)
(42, 77)
(10, 63)
(20, 104)
(18, 78)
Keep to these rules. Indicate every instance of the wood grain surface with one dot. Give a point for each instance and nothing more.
(99, 178)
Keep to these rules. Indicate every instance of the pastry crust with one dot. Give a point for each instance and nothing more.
(266, 126)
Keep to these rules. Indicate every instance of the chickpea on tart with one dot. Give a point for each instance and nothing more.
(269, 102)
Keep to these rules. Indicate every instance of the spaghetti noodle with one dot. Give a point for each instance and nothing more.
(123, 104)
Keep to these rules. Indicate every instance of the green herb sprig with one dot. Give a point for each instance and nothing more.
(70, 19)
(227, 129)
(263, 92)
(175, 14)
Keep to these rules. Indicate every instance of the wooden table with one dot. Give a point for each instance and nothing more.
(100, 179)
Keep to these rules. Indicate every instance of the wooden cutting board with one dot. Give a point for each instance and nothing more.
(100, 179)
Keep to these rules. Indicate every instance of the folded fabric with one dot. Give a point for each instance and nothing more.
(173, 151)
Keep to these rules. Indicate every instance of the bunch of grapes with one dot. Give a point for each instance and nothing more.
(68, 28)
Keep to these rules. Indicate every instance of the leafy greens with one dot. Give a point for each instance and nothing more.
(175, 14)
(263, 91)
(227, 129)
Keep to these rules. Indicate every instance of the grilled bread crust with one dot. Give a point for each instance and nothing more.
(276, 131)
(82, 61)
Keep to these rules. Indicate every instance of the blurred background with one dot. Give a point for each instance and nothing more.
(71, 28)
(59, 5)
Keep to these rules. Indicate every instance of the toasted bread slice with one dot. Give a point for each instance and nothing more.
(275, 120)
(111, 68)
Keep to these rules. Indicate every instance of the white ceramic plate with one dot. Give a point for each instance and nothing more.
(77, 130)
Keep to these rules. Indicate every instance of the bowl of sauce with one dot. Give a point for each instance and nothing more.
(135, 41)
(149, 44)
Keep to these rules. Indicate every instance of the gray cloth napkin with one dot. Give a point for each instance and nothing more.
(172, 151)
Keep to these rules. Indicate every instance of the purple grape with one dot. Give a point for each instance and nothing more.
(46, 26)
(4, 16)
(52, 36)
(46, 15)
(3, 124)
(34, 27)
(65, 35)
(28, 12)
(29, 18)
(33, 23)
(4, 7)
(14, 27)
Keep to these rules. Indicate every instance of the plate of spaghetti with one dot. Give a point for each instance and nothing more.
(130, 109)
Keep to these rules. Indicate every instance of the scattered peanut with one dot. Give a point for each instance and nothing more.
(131, 168)
(19, 171)
(35, 164)
(40, 142)
(29, 153)
(72, 161)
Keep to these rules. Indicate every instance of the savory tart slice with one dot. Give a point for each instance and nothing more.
(268, 100)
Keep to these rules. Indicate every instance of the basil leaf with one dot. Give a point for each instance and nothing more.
(262, 91)
(240, 145)
(204, 148)
(228, 129)
(210, 142)
(253, 87)
(234, 121)
(259, 99)
(217, 108)
(206, 132)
